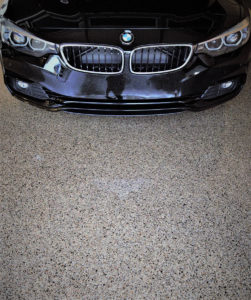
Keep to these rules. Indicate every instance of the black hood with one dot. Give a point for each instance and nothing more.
(158, 21)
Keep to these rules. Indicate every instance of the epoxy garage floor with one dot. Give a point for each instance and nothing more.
(125, 208)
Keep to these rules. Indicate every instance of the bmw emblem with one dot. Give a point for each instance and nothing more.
(127, 37)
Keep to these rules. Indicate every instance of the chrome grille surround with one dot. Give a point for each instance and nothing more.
(94, 65)
(158, 60)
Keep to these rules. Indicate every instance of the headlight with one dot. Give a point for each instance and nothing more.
(24, 41)
(229, 41)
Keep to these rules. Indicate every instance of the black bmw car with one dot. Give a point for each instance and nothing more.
(129, 57)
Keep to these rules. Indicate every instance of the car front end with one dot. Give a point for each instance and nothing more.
(94, 58)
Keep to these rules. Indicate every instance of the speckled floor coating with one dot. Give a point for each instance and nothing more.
(125, 208)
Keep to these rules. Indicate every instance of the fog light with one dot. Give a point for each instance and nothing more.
(220, 89)
(22, 84)
(227, 85)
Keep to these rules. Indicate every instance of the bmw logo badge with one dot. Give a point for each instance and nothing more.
(127, 37)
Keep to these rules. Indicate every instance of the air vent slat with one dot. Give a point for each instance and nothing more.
(160, 60)
(148, 57)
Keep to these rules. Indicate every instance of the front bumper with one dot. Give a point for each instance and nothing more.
(127, 93)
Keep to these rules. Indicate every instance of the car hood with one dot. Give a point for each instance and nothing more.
(96, 21)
